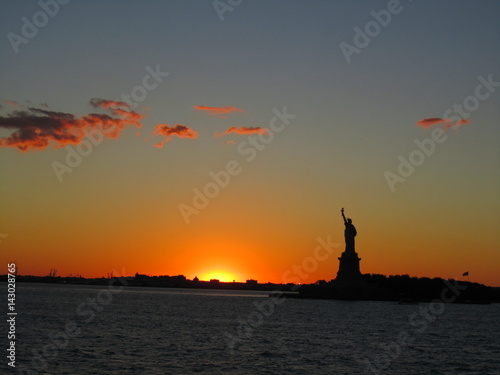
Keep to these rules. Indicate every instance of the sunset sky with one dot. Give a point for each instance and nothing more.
(302, 110)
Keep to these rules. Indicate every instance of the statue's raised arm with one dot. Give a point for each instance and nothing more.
(345, 220)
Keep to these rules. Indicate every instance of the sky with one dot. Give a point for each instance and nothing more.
(220, 139)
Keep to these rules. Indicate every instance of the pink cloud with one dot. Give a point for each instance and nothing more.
(429, 122)
(457, 124)
(242, 130)
(217, 111)
(434, 121)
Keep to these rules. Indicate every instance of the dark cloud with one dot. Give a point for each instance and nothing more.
(36, 128)
(167, 132)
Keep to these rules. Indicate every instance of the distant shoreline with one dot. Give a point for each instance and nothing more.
(372, 287)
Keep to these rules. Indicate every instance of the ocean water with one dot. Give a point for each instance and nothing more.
(69, 329)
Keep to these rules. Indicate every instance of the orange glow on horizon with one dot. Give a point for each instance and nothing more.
(247, 248)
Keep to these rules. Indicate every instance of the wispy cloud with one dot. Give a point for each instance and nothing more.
(217, 111)
(167, 132)
(11, 102)
(434, 121)
(458, 123)
(242, 130)
(36, 128)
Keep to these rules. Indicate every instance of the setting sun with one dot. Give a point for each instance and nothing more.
(219, 274)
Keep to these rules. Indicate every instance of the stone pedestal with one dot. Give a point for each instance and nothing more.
(349, 266)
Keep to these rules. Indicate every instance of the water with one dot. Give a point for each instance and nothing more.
(175, 331)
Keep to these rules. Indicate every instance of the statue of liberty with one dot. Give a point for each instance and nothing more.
(349, 234)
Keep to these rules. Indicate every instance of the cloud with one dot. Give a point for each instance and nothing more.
(218, 111)
(11, 102)
(428, 122)
(36, 128)
(433, 121)
(242, 130)
(178, 130)
(457, 124)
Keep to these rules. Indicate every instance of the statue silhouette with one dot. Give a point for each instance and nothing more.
(349, 234)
